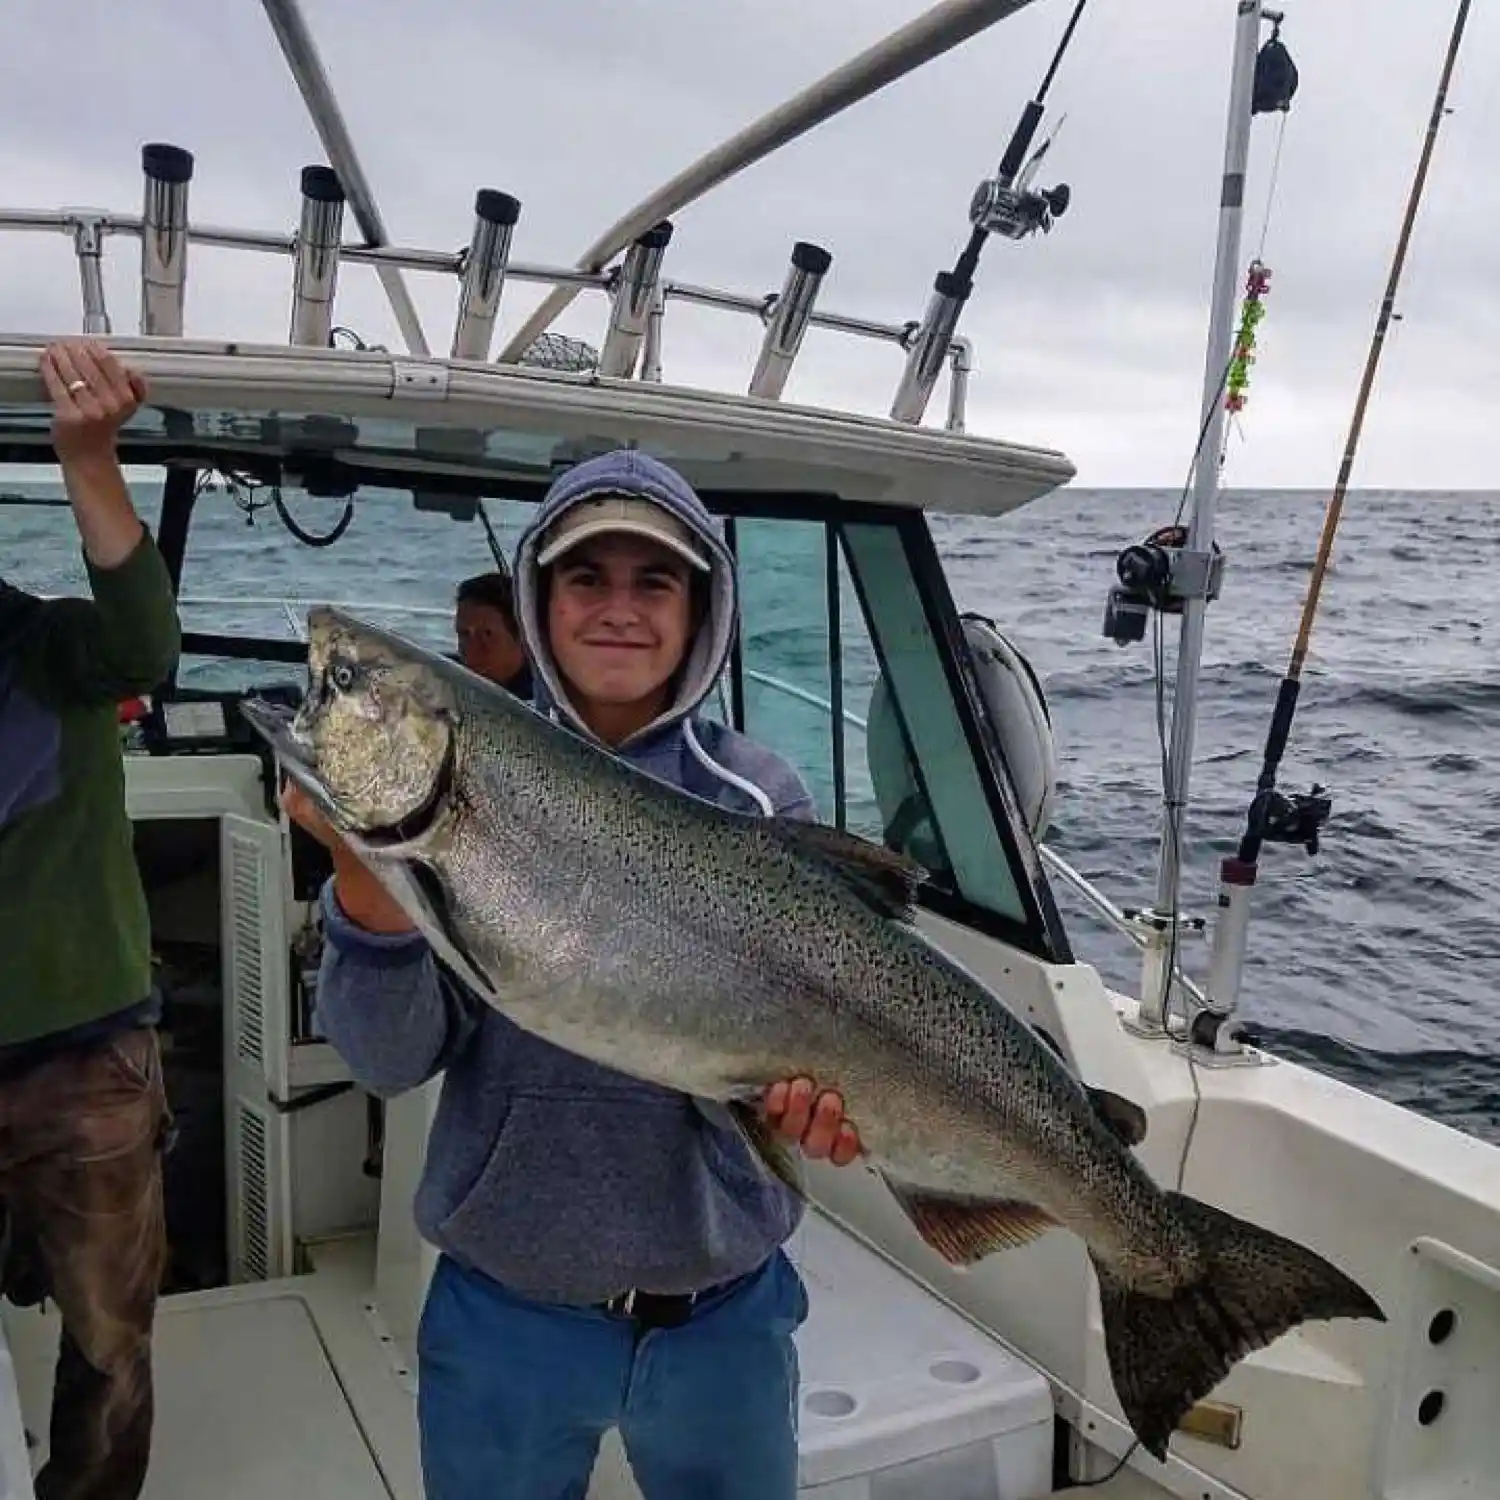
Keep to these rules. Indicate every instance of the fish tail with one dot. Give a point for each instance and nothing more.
(1166, 1353)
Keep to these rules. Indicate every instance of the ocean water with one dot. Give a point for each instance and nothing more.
(1376, 960)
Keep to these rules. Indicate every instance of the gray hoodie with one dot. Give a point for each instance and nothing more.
(564, 1180)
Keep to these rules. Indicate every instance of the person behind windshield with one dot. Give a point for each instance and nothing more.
(83, 1109)
(610, 1257)
(484, 620)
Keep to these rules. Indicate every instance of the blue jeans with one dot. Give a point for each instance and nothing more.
(514, 1396)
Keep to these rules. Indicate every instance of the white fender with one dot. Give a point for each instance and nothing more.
(1013, 704)
(1016, 707)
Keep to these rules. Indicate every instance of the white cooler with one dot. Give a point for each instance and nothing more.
(902, 1399)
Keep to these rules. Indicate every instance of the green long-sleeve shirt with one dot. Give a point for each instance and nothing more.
(75, 939)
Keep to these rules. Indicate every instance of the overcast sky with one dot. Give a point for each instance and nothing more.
(1090, 340)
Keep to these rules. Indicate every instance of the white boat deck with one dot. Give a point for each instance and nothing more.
(293, 1387)
(276, 1388)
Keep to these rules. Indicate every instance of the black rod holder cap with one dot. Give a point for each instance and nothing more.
(495, 207)
(164, 163)
(322, 185)
(811, 258)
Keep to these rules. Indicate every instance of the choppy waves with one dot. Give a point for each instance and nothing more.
(1377, 960)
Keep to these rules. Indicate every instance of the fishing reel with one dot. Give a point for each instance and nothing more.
(1015, 212)
(1278, 817)
(1158, 573)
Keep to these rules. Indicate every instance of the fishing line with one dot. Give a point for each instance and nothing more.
(1265, 228)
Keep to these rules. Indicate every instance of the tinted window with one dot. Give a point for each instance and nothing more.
(857, 697)
(925, 717)
(784, 672)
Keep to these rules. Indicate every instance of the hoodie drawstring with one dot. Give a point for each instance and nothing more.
(724, 774)
(709, 764)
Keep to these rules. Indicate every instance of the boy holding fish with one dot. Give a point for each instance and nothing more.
(611, 1255)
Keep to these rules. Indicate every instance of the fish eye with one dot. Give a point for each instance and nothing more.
(342, 676)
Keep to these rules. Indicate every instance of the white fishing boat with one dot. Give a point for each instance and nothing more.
(284, 1346)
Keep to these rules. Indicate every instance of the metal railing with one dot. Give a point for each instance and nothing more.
(638, 295)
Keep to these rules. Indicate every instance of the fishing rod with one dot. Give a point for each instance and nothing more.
(947, 25)
(997, 205)
(1005, 204)
(1274, 817)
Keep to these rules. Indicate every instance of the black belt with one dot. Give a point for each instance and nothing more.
(660, 1309)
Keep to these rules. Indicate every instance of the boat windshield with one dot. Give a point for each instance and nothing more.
(836, 599)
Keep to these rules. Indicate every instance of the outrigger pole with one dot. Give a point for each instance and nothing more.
(1273, 817)
(935, 32)
(1194, 567)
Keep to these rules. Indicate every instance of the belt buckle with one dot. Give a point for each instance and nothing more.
(621, 1304)
(650, 1311)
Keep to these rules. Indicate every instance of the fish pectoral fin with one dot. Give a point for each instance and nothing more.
(965, 1230)
(882, 879)
(1123, 1116)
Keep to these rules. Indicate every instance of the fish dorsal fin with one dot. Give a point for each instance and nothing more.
(883, 879)
(964, 1230)
(1125, 1118)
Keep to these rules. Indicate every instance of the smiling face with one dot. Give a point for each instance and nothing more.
(619, 623)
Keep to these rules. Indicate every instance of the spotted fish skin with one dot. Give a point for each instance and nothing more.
(716, 953)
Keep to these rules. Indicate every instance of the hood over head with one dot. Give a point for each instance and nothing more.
(627, 490)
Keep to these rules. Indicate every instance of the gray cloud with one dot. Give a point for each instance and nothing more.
(1090, 340)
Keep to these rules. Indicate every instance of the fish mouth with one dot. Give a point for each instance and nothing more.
(276, 724)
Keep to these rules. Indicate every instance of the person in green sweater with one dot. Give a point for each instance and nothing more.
(83, 1109)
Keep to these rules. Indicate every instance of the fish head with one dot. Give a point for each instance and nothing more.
(373, 740)
(378, 722)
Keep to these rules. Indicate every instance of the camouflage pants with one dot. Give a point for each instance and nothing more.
(81, 1183)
